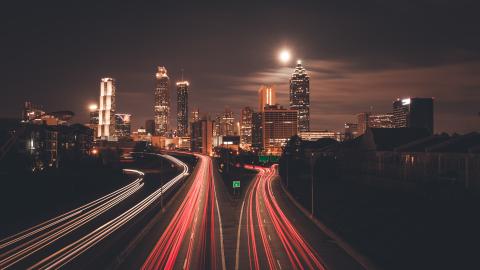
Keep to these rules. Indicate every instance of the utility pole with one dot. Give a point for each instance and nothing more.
(161, 184)
(288, 161)
(312, 170)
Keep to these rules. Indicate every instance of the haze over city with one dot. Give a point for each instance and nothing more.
(358, 55)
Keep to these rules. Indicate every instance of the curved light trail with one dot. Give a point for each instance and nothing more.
(23, 244)
(73, 250)
(192, 227)
(299, 253)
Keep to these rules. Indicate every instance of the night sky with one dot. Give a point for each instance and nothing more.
(359, 55)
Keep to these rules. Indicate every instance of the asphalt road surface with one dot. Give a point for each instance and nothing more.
(63, 240)
(186, 221)
(274, 234)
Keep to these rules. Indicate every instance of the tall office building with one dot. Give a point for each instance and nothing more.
(195, 115)
(123, 125)
(246, 128)
(279, 125)
(257, 132)
(224, 124)
(266, 96)
(106, 112)
(380, 120)
(300, 96)
(150, 126)
(93, 122)
(201, 139)
(374, 120)
(162, 101)
(217, 131)
(413, 112)
(182, 108)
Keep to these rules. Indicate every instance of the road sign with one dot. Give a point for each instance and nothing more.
(236, 184)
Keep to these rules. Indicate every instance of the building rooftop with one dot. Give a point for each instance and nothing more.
(458, 144)
(386, 139)
(422, 144)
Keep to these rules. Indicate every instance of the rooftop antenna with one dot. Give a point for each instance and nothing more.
(182, 74)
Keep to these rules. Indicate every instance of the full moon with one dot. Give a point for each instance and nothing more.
(284, 56)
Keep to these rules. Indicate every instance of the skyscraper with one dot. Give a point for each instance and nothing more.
(413, 112)
(201, 137)
(374, 120)
(266, 96)
(195, 115)
(162, 101)
(279, 125)
(93, 122)
(150, 126)
(122, 125)
(300, 96)
(246, 128)
(224, 124)
(106, 113)
(257, 132)
(182, 108)
(380, 120)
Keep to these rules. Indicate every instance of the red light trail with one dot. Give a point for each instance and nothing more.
(299, 253)
(193, 225)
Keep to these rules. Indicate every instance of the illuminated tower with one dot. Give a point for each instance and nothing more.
(162, 102)
(279, 125)
(300, 96)
(246, 128)
(266, 96)
(123, 125)
(227, 123)
(106, 112)
(182, 108)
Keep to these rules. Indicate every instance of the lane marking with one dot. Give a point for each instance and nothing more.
(278, 262)
(237, 253)
(224, 267)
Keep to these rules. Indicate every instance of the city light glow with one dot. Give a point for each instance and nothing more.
(92, 107)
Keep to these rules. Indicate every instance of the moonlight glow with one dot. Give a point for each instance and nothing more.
(284, 56)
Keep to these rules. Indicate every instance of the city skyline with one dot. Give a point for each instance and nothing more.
(240, 135)
(346, 76)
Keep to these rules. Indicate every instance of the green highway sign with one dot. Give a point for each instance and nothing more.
(236, 184)
(270, 158)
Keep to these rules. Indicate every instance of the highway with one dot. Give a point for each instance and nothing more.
(273, 234)
(59, 240)
(188, 235)
(198, 226)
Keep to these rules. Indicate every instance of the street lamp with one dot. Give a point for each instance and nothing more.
(92, 107)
